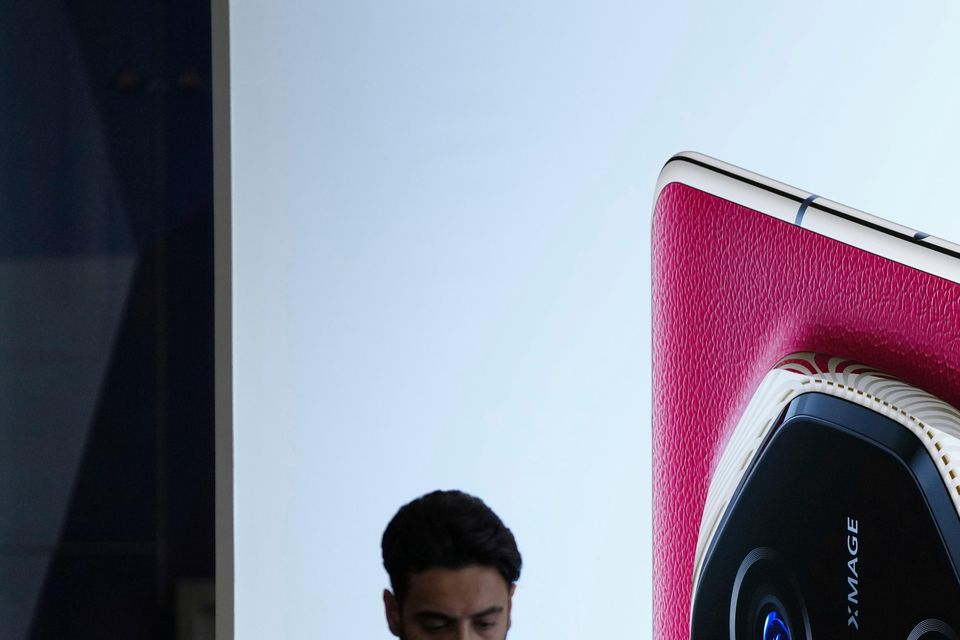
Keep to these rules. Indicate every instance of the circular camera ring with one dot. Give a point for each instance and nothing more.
(937, 628)
(763, 585)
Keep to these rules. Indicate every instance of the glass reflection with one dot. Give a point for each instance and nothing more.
(106, 320)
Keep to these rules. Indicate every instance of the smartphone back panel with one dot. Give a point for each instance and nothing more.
(735, 290)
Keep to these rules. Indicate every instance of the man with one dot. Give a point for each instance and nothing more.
(453, 567)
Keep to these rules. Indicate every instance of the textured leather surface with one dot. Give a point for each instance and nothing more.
(734, 290)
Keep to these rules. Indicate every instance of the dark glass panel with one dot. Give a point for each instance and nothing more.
(106, 318)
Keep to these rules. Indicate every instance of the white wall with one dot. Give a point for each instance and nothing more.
(441, 268)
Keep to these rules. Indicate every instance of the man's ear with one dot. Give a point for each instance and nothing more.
(392, 610)
(513, 587)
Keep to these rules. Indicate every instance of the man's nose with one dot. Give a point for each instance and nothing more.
(465, 631)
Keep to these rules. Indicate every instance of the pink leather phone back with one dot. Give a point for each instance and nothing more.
(734, 290)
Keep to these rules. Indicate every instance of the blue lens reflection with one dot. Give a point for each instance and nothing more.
(775, 627)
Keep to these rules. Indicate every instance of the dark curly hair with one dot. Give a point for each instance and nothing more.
(449, 530)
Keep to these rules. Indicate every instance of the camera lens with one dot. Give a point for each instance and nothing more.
(775, 627)
(765, 602)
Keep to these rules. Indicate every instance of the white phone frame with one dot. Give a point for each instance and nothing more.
(811, 212)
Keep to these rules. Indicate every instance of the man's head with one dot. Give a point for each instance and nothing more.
(453, 567)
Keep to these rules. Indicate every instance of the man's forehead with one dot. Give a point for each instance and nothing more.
(457, 592)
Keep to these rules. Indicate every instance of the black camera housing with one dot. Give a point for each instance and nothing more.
(843, 526)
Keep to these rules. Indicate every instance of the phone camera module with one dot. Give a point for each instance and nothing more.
(792, 533)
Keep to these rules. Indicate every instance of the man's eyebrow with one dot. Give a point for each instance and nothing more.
(436, 615)
(432, 615)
